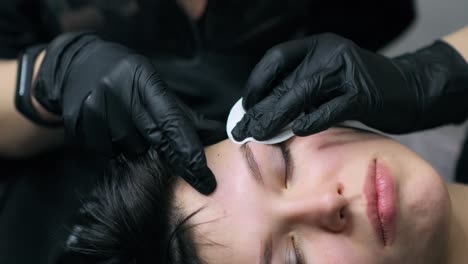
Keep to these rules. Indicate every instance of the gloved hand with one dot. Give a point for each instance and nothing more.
(112, 100)
(331, 79)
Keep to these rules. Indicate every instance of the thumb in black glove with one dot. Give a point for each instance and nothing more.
(331, 79)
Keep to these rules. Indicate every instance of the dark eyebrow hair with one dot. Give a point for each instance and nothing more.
(251, 163)
(288, 161)
(267, 255)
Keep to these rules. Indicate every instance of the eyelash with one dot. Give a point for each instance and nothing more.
(297, 251)
(287, 161)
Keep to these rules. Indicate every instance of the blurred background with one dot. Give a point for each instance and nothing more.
(435, 18)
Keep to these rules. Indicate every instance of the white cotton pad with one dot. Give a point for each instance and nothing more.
(236, 114)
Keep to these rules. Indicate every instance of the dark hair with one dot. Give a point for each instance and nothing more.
(130, 218)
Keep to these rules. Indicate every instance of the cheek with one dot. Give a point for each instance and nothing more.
(307, 155)
(334, 249)
(333, 149)
(316, 167)
(425, 211)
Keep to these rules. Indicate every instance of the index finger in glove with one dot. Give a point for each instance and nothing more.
(274, 113)
(277, 62)
(243, 128)
(182, 147)
(327, 115)
(286, 103)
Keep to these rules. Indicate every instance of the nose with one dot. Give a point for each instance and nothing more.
(324, 208)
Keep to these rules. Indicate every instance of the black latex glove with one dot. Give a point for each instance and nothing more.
(112, 100)
(331, 79)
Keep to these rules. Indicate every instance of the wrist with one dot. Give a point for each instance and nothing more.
(29, 63)
(43, 113)
(459, 41)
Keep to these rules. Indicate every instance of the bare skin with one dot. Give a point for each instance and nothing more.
(459, 40)
(322, 205)
(459, 225)
(19, 137)
(193, 8)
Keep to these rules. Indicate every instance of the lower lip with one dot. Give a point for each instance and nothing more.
(381, 201)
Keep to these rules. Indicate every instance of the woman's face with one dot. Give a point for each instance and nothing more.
(340, 196)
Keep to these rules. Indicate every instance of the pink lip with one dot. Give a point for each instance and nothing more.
(379, 190)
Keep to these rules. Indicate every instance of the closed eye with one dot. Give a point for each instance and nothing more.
(297, 252)
(287, 163)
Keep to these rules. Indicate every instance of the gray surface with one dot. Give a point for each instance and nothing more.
(435, 19)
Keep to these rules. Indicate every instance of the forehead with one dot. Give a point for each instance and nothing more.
(228, 227)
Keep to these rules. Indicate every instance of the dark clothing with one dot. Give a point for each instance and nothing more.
(461, 172)
(226, 42)
(227, 26)
(205, 63)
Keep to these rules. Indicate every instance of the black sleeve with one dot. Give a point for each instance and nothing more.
(371, 24)
(20, 26)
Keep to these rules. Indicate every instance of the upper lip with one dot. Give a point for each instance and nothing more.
(380, 214)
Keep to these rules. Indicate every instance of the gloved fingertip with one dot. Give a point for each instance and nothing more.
(298, 125)
(238, 132)
(303, 128)
(206, 183)
(299, 132)
(260, 133)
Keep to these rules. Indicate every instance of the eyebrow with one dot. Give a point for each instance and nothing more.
(267, 255)
(288, 161)
(267, 250)
(252, 164)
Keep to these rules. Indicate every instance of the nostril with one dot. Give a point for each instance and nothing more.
(339, 190)
(342, 213)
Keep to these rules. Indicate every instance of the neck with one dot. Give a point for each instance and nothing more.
(193, 8)
(457, 252)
